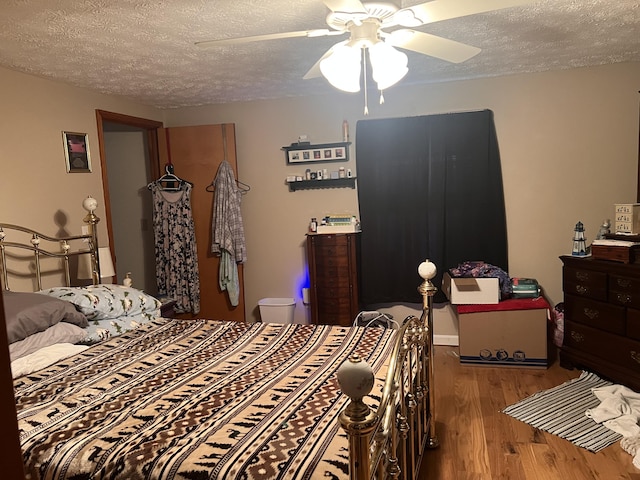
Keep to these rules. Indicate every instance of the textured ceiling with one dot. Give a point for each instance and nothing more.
(144, 50)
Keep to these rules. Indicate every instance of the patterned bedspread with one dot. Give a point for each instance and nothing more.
(177, 399)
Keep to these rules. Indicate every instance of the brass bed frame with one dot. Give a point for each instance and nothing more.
(403, 424)
(10, 248)
(384, 443)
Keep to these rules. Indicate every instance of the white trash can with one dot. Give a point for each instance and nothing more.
(277, 310)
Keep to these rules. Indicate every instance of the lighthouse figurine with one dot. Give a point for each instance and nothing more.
(579, 245)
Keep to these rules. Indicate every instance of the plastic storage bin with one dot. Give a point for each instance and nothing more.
(277, 310)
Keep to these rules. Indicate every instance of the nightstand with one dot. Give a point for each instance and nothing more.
(167, 309)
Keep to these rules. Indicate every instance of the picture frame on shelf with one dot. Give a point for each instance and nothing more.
(305, 153)
(76, 152)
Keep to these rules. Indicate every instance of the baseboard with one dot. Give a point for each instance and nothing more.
(451, 340)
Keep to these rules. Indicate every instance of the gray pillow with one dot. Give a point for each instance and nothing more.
(29, 313)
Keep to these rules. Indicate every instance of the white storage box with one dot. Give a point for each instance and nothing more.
(627, 218)
(471, 290)
(511, 334)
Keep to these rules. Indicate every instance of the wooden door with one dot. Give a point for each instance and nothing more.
(196, 153)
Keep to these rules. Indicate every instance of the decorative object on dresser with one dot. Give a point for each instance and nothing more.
(625, 251)
(333, 272)
(602, 318)
(627, 218)
(579, 245)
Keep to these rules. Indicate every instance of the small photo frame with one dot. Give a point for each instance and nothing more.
(76, 152)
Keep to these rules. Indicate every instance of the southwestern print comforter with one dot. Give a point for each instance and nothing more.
(190, 400)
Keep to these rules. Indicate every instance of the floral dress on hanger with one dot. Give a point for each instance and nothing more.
(175, 247)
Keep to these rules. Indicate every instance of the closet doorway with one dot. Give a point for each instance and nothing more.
(196, 153)
(129, 152)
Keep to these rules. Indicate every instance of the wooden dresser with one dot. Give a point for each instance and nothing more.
(333, 274)
(602, 318)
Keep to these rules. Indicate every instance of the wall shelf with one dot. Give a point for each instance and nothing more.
(329, 183)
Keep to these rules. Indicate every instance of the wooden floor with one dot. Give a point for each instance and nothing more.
(479, 442)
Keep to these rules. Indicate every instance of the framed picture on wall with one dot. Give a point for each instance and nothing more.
(305, 152)
(76, 152)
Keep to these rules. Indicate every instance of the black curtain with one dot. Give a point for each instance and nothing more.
(428, 187)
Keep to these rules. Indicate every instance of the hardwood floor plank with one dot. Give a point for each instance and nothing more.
(479, 442)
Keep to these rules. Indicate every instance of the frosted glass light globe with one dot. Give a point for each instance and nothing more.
(90, 204)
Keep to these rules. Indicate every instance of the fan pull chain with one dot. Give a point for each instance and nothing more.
(364, 69)
(381, 97)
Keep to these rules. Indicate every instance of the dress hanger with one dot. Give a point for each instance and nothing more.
(243, 187)
(169, 182)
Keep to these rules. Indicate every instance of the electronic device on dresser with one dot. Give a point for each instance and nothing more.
(333, 275)
(602, 318)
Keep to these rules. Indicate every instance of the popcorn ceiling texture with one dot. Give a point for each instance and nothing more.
(145, 51)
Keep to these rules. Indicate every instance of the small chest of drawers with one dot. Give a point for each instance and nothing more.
(333, 276)
(602, 318)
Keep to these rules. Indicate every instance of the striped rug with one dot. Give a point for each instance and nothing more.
(561, 411)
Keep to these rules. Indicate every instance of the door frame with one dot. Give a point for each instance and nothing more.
(151, 127)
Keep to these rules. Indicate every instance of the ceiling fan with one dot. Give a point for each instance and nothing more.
(378, 27)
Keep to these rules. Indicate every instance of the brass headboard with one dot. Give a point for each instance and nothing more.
(42, 246)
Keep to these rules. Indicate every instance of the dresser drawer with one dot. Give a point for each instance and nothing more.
(324, 262)
(604, 316)
(330, 240)
(624, 291)
(618, 350)
(586, 283)
(333, 304)
(340, 282)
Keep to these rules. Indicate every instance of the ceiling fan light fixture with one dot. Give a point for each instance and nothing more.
(342, 68)
(388, 65)
(408, 18)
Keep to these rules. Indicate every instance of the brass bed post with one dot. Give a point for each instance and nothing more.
(427, 271)
(91, 219)
(358, 419)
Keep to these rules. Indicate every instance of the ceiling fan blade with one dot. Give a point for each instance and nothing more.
(322, 32)
(346, 6)
(438, 10)
(427, 44)
(315, 70)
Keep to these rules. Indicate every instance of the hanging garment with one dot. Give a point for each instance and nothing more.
(175, 247)
(227, 230)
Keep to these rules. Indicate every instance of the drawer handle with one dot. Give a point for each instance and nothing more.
(635, 356)
(624, 283)
(582, 276)
(591, 314)
(623, 298)
(577, 337)
(582, 290)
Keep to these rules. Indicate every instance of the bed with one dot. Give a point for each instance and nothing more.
(215, 399)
